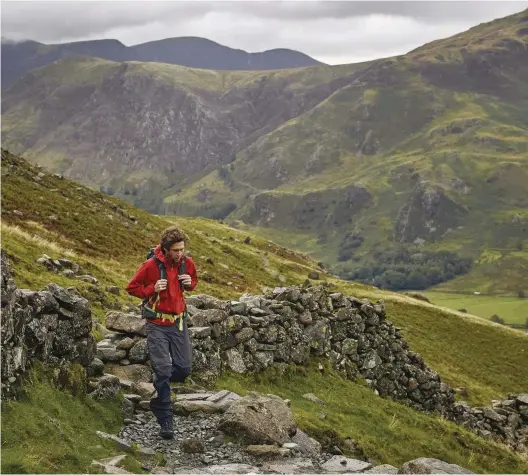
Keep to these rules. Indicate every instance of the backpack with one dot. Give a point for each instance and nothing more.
(149, 312)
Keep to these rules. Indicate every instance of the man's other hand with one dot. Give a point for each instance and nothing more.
(186, 279)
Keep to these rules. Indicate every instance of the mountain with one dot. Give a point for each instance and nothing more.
(404, 172)
(43, 213)
(18, 58)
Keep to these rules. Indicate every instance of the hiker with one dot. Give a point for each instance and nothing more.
(161, 282)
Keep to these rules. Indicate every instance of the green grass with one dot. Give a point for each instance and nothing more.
(511, 309)
(77, 71)
(385, 431)
(51, 431)
(481, 37)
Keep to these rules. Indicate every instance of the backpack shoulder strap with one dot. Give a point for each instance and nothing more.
(181, 269)
(161, 267)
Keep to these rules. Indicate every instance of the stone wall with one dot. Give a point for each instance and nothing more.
(52, 326)
(290, 324)
(506, 420)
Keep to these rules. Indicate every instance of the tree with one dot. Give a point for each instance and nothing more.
(497, 319)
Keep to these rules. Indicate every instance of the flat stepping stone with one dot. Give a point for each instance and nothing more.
(184, 408)
(339, 464)
(193, 396)
(290, 466)
(109, 464)
(383, 469)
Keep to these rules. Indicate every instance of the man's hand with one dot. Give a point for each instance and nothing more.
(160, 285)
(186, 279)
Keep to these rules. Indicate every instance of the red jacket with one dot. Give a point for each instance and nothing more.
(171, 299)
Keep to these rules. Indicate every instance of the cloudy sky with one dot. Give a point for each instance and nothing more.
(332, 32)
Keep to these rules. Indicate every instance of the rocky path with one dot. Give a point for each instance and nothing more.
(220, 433)
(199, 447)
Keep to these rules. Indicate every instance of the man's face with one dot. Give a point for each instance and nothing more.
(176, 251)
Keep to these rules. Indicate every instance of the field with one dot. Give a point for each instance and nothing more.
(511, 309)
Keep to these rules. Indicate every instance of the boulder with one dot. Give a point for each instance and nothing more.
(430, 465)
(145, 390)
(192, 446)
(108, 386)
(133, 372)
(139, 352)
(259, 420)
(126, 323)
(340, 464)
(306, 444)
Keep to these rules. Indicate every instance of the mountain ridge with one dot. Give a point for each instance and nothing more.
(319, 153)
(19, 58)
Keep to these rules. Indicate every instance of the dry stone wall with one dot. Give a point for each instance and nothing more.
(289, 325)
(52, 326)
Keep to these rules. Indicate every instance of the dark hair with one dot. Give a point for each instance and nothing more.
(170, 236)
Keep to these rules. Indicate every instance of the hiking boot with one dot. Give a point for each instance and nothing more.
(166, 429)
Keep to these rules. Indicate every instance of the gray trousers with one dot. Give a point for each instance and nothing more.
(170, 355)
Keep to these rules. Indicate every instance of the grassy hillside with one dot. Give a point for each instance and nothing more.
(110, 239)
(462, 147)
(58, 216)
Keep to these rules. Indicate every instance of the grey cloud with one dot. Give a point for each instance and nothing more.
(55, 20)
(333, 32)
(48, 20)
(430, 11)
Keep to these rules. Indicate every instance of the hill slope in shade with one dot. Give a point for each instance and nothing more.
(19, 58)
(384, 170)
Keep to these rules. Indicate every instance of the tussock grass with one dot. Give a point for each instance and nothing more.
(54, 246)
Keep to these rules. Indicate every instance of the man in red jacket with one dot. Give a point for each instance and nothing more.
(169, 347)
